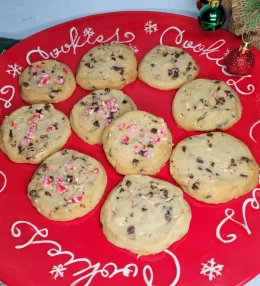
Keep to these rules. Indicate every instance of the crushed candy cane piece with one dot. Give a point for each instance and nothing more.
(44, 80)
(25, 143)
(50, 128)
(144, 148)
(132, 128)
(108, 121)
(38, 67)
(121, 126)
(70, 166)
(59, 180)
(161, 132)
(38, 115)
(113, 99)
(30, 135)
(33, 125)
(60, 80)
(114, 108)
(15, 125)
(147, 154)
(137, 149)
(43, 63)
(65, 70)
(33, 70)
(95, 171)
(101, 111)
(144, 134)
(75, 199)
(125, 139)
(61, 189)
(155, 140)
(90, 110)
(105, 102)
(47, 181)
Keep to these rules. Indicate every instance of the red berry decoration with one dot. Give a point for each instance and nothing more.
(240, 61)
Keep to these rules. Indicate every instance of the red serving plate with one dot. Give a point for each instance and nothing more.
(222, 245)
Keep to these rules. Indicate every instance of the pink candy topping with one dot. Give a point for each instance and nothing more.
(121, 126)
(125, 139)
(47, 181)
(132, 128)
(95, 171)
(60, 80)
(155, 139)
(45, 78)
(75, 199)
(61, 189)
(70, 166)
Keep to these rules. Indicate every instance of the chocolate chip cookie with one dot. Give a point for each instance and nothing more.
(46, 81)
(145, 215)
(94, 112)
(166, 68)
(214, 167)
(67, 185)
(107, 66)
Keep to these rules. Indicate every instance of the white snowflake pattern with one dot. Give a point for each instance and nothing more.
(211, 269)
(227, 52)
(88, 32)
(14, 70)
(150, 27)
(57, 270)
(4, 50)
(133, 48)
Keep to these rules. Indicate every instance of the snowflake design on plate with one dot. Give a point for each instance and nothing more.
(4, 50)
(211, 269)
(150, 27)
(133, 48)
(88, 32)
(226, 52)
(57, 271)
(14, 70)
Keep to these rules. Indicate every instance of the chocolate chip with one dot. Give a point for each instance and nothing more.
(52, 71)
(131, 229)
(52, 178)
(25, 84)
(55, 125)
(135, 161)
(154, 130)
(82, 103)
(200, 168)
(233, 162)
(177, 55)
(208, 197)
(124, 101)
(88, 66)
(165, 54)
(20, 149)
(210, 134)
(55, 90)
(121, 57)
(217, 81)
(64, 152)
(168, 216)
(34, 73)
(191, 176)
(150, 145)
(183, 148)
(11, 134)
(128, 183)
(83, 206)
(243, 175)
(217, 174)
(51, 96)
(70, 178)
(195, 186)
(245, 159)
(44, 137)
(221, 101)
(33, 193)
(144, 209)
(141, 152)
(121, 190)
(199, 160)
(39, 111)
(152, 65)
(150, 194)
(208, 170)
(121, 70)
(210, 145)
(47, 106)
(47, 194)
(107, 90)
(96, 123)
(164, 192)
(212, 164)
(182, 52)
(188, 69)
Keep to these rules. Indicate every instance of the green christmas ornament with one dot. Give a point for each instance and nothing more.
(212, 16)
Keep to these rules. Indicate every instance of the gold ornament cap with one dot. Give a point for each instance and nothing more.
(244, 47)
(214, 3)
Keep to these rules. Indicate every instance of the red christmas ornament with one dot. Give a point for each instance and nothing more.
(240, 61)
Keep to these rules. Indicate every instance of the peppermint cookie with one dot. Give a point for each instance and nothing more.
(46, 81)
(137, 143)
(33, 133)
(107, 66)
(167, 68)
(67, 185)
(206, 105)
(95, 111)
(145, 215)
(214, 167)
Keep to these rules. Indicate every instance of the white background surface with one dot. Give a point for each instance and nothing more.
(22, 18)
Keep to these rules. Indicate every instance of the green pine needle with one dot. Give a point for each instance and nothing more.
(249, 6)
